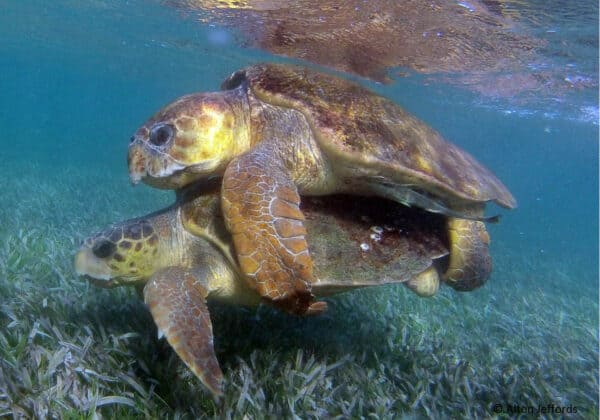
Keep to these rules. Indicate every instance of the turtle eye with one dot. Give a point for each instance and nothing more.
(161, 134)
(104, 248)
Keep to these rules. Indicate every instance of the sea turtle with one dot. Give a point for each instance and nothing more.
(183, 255)
(279, 131)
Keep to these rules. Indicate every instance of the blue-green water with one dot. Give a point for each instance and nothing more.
(77, 78)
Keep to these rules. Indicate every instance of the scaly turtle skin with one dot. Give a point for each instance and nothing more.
(183, 255)
(279, 131)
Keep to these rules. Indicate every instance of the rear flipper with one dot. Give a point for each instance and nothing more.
(470, 263)
(426, 283)
(177, 300)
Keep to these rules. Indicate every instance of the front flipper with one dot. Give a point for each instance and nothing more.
(177, 301)
(261, 208)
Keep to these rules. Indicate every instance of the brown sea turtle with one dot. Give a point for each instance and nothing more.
(183, 255)
(280, 131)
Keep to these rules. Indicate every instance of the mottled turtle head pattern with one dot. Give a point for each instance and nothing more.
(194, 137)
(125, 253)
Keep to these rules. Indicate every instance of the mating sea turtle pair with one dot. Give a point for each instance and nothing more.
(279, 131)
(183, 255)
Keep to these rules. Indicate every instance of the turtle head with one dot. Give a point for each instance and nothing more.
(191, 139)
(126, 253)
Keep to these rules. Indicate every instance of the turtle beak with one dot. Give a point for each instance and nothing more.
(135, 178)
(155, 167)
(136, 164)
(92, 268)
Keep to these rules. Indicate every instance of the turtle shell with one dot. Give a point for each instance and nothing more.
(358, 128)
(354, 241)
(366, 241)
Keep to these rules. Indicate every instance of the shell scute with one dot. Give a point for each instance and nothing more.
(358, 127)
